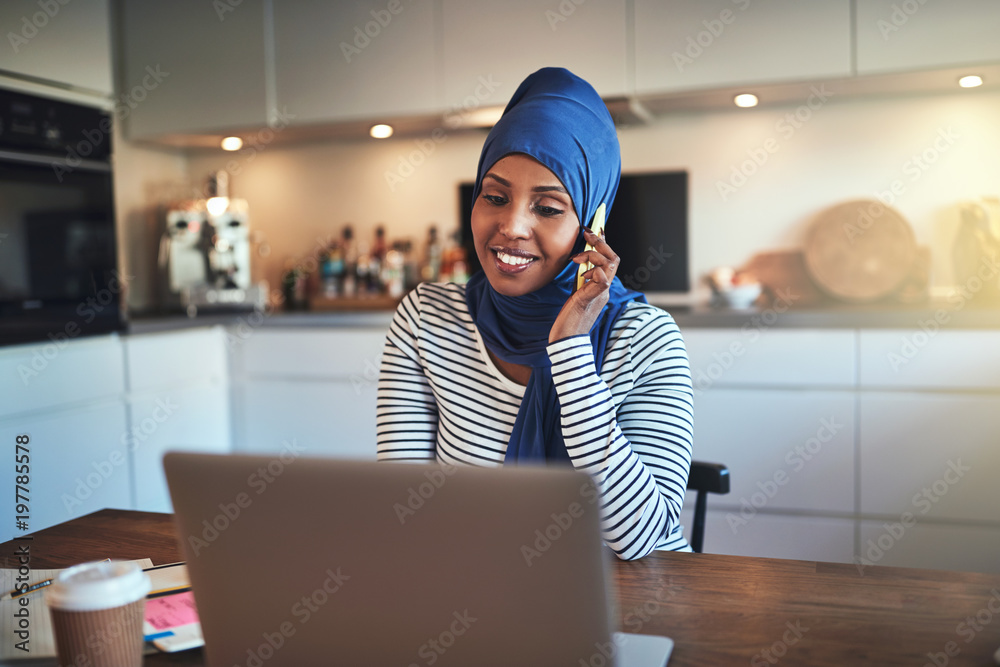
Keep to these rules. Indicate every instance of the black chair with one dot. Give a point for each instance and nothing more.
(705, 478)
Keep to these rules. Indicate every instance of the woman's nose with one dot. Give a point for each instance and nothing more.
(514, 222)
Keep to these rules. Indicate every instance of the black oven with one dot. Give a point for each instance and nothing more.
(59, 275)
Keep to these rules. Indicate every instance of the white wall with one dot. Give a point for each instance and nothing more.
(845, 149)
(145, 177)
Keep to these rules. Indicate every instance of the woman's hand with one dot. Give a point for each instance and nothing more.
(583, 306)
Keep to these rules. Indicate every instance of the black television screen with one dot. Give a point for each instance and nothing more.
(647, 227)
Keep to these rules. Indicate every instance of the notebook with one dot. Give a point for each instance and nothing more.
(301, 561)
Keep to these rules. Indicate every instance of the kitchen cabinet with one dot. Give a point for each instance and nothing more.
(683, 46)
(75, 463)
(927, 357)
(793, 450)
(65, 43)
(192, 66)
(100, 412)
(928, 424)
(908, 456)
(67, 397)
(316, 388)
(42, 377)
(757, 355)
(964, 548)
(487, 52)
(178, 400)
(896, 36)
(933, 455)
(358, 60)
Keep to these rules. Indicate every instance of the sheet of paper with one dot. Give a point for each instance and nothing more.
(40, 642)
(170, 611)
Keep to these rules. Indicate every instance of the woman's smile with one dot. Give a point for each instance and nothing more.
(512, 260)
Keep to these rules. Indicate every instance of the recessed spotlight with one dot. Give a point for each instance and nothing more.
(232, 144)
(381, 131)
(971, 81)
(745, 100)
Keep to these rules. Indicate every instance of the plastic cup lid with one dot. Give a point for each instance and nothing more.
(98, 585)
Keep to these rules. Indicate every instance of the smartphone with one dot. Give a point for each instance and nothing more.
(597, 226)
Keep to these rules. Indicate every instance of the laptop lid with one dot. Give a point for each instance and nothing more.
(301, 561)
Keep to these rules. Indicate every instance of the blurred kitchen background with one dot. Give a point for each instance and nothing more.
(830, 251)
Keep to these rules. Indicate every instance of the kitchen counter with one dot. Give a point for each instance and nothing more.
(930, 315)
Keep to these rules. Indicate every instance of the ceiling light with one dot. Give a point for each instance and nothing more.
(971, 81)
(232, 144)
(745, 100)
(381, 131)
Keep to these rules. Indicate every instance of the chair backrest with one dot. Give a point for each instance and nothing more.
(705, 478)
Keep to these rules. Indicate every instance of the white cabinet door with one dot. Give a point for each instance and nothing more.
(931, 546)
(930, 455)
(76, 466)
(898, 36)
(355, 60)
(60, 41)
(785, 450)
(326, 418)
(177, 419)
(176, 358)
(314, 353)
(779, 536)
(756, 355)
(192, 66)
(315, 387)
(41, 376)
(683, 45)
(488, 48)
(178, 400)
(926, 356)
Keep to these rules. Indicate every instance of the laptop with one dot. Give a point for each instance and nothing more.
(298, 561)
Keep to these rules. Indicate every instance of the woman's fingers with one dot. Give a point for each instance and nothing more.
(602, 256)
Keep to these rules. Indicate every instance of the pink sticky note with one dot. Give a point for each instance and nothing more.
(171, 611)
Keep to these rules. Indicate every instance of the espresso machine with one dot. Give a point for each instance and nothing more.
(204, 257)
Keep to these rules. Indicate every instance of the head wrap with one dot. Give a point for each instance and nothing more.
(558, 119)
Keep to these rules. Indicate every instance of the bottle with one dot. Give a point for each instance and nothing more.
(350, 257)
(411, 272)
(331, 268)
(393, 270)
(432, 264)
(454, 267)
(377, 262)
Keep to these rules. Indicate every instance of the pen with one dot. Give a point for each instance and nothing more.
(16, 593)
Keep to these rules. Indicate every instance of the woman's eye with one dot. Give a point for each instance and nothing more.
(495, 199)
(548, 211)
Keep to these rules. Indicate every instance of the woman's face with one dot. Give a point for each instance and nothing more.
(523, 224)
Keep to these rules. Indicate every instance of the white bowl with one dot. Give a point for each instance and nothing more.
(742, 296)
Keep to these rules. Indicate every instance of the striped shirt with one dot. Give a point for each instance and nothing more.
(441, 398)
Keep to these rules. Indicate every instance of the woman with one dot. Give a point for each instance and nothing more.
(517, 366)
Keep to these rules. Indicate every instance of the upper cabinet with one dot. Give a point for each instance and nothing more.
(200, 67)
(355, 60)
(58, 41)
(682, 45)
(899, 36)
(488, 48)
(193, 66)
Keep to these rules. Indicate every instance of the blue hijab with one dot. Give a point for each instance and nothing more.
(558, 119)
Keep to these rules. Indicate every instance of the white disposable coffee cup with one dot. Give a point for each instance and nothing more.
(97, 612)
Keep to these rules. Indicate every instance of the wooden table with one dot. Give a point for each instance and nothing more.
(720, 610)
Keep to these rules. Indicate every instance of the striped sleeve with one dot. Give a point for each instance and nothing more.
(406, 413)
(639, 455)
